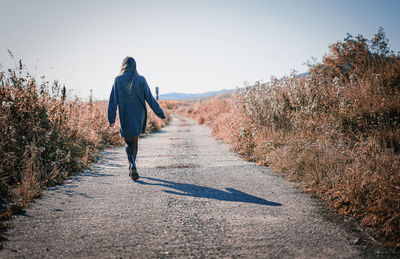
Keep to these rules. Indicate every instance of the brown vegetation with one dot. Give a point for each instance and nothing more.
(46, 136)
(336, 130)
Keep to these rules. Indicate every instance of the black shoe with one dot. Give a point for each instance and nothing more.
(135, 176)
(133, 173)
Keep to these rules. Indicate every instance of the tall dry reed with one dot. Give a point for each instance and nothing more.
(47, 136)
(336, 130)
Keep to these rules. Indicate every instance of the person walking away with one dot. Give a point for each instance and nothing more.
(129, 93)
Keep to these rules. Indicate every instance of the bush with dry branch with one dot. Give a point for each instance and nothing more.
(46, 136)
(336, 130)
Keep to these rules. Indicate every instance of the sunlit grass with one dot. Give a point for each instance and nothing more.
(336, 131)
(47, 136)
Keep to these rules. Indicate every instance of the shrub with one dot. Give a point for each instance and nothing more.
(46, 136)
(336, 130)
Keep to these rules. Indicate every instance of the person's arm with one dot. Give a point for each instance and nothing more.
(151, 101)
(112, 105)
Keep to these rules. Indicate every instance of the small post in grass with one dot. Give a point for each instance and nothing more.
(157, 93)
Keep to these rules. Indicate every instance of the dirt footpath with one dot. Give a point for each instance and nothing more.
(194, 199)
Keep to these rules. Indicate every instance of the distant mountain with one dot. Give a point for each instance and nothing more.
(183, 96)
(303, 74)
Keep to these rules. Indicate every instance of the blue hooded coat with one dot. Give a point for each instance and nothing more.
(130, 96)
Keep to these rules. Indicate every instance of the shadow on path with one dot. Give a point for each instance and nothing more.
(193, 190)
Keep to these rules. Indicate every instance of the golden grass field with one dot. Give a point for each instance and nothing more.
(47, 136)
(336, 131)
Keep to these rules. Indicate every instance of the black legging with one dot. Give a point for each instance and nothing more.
(131, 149)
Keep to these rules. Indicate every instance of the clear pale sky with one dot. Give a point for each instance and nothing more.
(181, 46)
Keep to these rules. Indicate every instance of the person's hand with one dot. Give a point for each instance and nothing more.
(165, 120)
(112, 125)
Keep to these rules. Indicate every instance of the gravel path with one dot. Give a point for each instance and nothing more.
(195, 199)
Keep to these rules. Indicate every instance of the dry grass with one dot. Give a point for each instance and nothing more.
(46, 136)
(337, 131)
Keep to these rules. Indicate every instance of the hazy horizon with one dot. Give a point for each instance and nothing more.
(181, 46)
